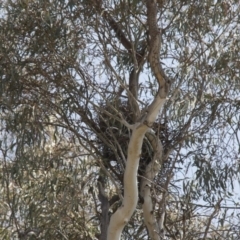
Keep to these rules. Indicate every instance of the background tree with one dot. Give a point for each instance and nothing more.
(77, 77)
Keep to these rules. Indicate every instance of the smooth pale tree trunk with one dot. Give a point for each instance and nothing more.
(121, 217)
(154, 229)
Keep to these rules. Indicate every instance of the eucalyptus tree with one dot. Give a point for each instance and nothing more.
(119, 119)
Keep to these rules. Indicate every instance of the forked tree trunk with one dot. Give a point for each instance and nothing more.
(121, 217)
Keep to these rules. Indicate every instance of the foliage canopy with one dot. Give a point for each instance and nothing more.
(71, 74)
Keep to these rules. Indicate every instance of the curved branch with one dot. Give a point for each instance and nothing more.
(154, 47)
(138, 58)
(145, 188)
(154, 228)
(120, 218)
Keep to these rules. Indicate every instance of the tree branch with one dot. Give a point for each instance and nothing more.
(120, 218)
(215, 211)
(104, 219)
(155, 45)
(145, 189)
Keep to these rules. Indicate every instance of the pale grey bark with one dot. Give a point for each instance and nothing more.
(155, 228)
(145, 189)
(120, 218)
